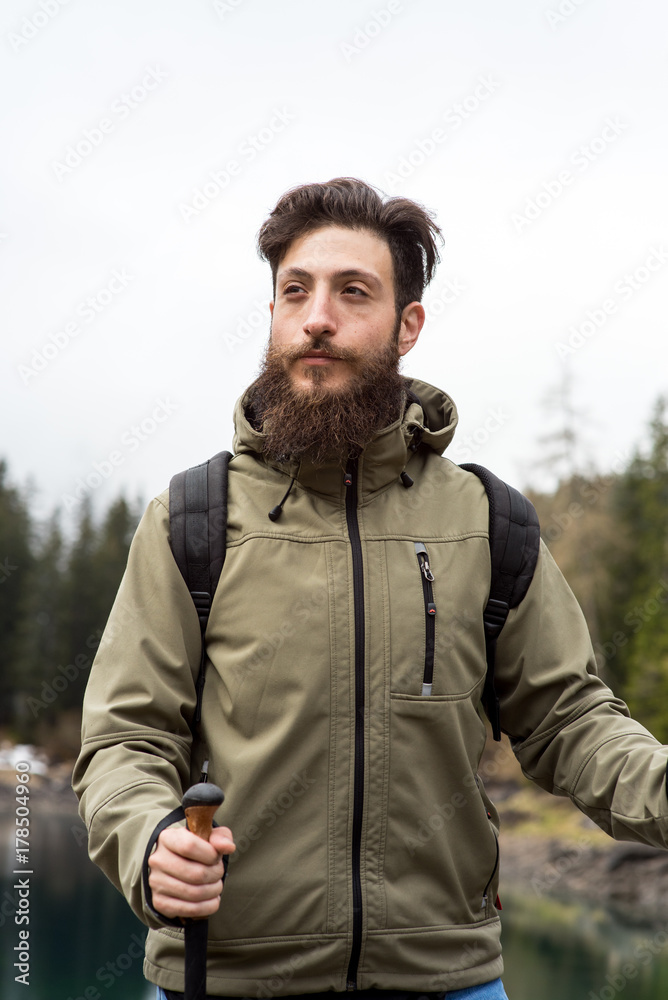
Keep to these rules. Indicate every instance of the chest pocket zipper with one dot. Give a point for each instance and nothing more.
(429, 616)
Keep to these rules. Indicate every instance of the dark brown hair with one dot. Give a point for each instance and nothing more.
(408, 229)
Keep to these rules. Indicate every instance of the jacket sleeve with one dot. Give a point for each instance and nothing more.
(136, 740)
(571, 735)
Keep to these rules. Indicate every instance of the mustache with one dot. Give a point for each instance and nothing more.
(327, 350)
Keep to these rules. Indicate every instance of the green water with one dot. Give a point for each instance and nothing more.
(85, 941)
(555, 950)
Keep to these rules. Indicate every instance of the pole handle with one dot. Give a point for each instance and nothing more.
(200, 804)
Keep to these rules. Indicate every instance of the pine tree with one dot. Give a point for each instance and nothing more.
(15, 567)
(40, 638)
(640, 585)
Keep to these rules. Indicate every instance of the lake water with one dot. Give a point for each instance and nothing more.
(85, 941)
(556, 950)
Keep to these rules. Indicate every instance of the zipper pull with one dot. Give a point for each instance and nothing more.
(348, 478)
(423, 560)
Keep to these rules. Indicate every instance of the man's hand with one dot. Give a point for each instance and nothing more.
(186, 876)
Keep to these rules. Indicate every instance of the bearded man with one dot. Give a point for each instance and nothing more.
(340, 720)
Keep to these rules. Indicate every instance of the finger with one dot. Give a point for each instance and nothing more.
(171, 907)
(193, 872)
(189, 845)
(163, 884)
(221, 838)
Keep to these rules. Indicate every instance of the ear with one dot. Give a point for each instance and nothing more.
(412, 321)
(271, 308)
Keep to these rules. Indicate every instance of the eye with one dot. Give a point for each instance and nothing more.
(292, 289)
(354, 288)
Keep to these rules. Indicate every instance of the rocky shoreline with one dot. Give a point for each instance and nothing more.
(628, 879)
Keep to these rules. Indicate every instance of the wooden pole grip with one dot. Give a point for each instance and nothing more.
(200, 820)
(199, 804)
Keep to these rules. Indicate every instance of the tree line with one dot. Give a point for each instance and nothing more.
(55, 596)
(608, 532)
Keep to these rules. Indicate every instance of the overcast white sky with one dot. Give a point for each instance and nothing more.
(116, 113)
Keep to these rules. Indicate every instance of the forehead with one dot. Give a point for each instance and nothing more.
(332, 248)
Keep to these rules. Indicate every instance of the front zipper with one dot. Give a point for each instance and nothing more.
(429, 616)
(350, 480)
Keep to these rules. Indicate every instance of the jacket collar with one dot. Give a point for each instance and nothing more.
(431, 421)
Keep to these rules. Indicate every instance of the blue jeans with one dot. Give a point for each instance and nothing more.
(488, 991)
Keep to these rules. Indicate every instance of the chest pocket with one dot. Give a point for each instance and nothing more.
(436, 595)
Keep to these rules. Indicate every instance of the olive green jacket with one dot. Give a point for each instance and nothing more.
(367, 848)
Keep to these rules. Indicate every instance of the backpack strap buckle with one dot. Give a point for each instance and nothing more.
(495, 615)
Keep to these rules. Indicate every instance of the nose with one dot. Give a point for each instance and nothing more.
(320, 320)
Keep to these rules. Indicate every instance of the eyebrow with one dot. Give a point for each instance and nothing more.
(351, 272)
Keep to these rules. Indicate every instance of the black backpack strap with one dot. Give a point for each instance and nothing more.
(514, 540)
(197, 528)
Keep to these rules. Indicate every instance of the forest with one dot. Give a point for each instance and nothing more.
(607, 531)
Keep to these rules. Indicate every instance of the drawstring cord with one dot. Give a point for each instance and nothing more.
(276, 511)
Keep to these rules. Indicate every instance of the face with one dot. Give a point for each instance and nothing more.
(335, 296)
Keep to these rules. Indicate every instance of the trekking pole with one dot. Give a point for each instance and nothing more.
(199, 804)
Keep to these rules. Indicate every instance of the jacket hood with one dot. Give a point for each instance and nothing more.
(429, 417)
(439, 414)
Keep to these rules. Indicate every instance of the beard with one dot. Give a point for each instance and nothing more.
(325, 423)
